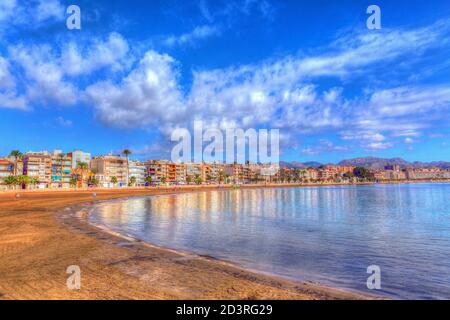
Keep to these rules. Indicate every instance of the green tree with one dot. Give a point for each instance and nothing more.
(198, 179)
(132, 181)
(82, 172)
(114, 180)
(34, 181)
(60, 159)
(17, 155)
(23, 180)
(361, 173)
(94, 181)
(126, 153)
(221, 177)
(188, 179)
(149, 180)
(73, 182)
(163, 180)
(10, 181)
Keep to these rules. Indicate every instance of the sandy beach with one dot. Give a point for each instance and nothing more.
(39, 240)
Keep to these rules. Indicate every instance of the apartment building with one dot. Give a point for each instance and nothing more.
(181, 173)
(427, 173)
(216, 171)
(157, 170)
(38, 165)
(138, 171)
(6, 170)
(61, 170)
(237, 172)
(328, 173)
(193, 170)
(79, 156)
(109, 166)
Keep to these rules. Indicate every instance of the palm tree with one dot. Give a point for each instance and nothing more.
(73, 182)
(94, 181)
(133, 181)
(126, 153)
(81, 171)
(10, 181)
(23, 180)
(34, 181)
(114, 181)
(198, 179)
(60, 159)
(17, 155)
(149, 180)
(221, 177)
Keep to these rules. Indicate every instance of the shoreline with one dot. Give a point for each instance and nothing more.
(177, 188)
(38, 242)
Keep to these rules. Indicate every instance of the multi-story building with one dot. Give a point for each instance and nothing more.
(157, 170)
(394, 172)
(193, 170)
(38, 165)
(109, 168)
(138, 171)
(171, 172)
(181, 173)
(79, 156)
(61, 169)
(216, 171)
(6, 170)
(378, 174)
(426, 173)
(328, 172)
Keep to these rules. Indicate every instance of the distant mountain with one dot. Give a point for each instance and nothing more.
(434, 164)
(370, 163)
(380, 163)
(299, 165)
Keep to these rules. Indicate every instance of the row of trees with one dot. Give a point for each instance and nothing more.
(20, 181)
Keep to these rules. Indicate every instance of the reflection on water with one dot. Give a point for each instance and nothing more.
(325, 234)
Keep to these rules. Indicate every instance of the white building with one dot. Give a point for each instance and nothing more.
(137, 169)
(79, 156)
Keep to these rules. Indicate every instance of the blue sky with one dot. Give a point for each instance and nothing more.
(139, 69)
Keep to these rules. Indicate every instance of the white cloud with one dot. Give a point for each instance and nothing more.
(30, 14)
(280, 93)
(46, 81)
(49, 73)
(8, 95)
(111, 52)
(148, 95)
(49, 9)
(379, 145)
(63, 122)
(7, 9)
(322, 147)
(199, 33)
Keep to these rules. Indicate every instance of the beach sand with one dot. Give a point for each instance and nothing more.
(39, 240)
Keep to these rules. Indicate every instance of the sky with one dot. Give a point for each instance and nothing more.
(137, 70)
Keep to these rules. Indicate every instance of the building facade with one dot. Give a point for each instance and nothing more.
(38, 165)
(110, 171)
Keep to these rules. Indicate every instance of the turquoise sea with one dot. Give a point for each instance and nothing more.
(323, 234)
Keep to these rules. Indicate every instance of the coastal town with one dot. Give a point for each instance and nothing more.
(78, 169)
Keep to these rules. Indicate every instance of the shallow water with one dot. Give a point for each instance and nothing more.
(324, 234)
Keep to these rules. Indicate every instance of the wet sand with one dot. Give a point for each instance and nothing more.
(39, 239)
